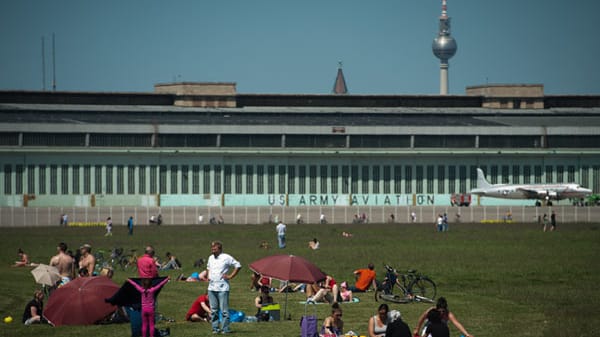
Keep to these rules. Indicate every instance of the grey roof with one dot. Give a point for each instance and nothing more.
(295, 116)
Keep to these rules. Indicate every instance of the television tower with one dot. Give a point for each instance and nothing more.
(444, 47)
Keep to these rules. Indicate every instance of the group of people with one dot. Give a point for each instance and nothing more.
(69, 266)
(433, 322)
(552, 224)
(442, 222)
(222, 267)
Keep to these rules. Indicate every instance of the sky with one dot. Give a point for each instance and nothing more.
(268, 46)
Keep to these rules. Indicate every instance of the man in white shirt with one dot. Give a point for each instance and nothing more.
(281, 228)
(220, 268)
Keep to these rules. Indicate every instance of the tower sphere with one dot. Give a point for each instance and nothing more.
(444, 47)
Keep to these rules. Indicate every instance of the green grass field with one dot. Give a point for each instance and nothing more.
(499, 279)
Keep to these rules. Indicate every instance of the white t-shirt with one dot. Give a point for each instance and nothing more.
(217, 267)
(281, 229)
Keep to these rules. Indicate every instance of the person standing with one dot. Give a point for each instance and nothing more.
(221, 268)
(87, 260)
(146, 265)
(64, 263)
(108, 227)
(148, 303)
(552, 221)
(281, 228)
(130, 225)
(545, 221)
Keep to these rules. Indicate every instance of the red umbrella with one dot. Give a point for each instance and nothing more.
(81, 301)
(288, 268)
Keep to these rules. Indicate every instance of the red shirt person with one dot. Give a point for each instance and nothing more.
(146, 265)
(200, 310)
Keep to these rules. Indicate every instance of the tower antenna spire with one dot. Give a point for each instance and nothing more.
(444, 47)
(53, 65)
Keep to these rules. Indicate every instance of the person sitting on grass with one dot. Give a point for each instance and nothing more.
(396, 327)
(365, 278)
(378, 323)
(257, 281)
(200, 310)
(327, 290)
(445, 314)
(333, 325)
(345, 293)
(313, 244)
(261, 300)
(172, 262)
(23, 259)
(33, 309)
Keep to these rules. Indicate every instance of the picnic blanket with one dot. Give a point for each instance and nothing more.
(354, 300)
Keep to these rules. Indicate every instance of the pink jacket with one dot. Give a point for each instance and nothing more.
(148, 294)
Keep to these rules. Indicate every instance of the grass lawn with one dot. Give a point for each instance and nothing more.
(499, 279)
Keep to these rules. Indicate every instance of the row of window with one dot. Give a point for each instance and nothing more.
(277, 179)
(314, 141)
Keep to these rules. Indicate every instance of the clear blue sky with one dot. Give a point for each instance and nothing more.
(269, 46)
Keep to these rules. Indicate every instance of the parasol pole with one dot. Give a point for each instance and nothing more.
(285, 305)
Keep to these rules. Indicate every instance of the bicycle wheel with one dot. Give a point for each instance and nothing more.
(391, 298)
(423, 289)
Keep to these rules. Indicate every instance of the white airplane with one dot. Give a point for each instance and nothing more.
(544, 192)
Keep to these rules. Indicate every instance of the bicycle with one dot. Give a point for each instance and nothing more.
(415, 287)
(128, 261)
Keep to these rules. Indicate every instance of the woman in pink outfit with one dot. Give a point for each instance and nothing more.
(147, 292)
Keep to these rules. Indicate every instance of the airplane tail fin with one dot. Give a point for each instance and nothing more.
(481, 182)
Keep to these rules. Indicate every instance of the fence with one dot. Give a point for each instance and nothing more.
(50, 216)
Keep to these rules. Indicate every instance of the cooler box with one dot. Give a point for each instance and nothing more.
(273, 310)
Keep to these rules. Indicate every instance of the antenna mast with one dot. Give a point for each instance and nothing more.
(43, 64)
(53, 65)
(444, 47)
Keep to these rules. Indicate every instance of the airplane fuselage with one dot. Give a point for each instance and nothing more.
(528, 191)
(533, 191)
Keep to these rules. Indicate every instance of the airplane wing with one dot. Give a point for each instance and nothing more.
(538, 194)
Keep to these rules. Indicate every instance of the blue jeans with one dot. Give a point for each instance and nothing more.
(281, 240)
(219, 300)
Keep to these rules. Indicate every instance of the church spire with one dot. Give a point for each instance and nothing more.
(339, 87)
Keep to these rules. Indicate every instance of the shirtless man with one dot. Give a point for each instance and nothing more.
(63, 262)
(87, 260)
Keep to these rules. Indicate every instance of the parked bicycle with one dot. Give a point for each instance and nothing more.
(414, 287)
(129, 261)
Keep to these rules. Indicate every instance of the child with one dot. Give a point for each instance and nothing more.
(147, 292)
(108, 227)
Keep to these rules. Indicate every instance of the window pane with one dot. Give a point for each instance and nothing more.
(64, 179)
(227, 179)
(323, 174)
(109, 179)
(76, 179)
(249, 179)
(87, 179)
(120, 179)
